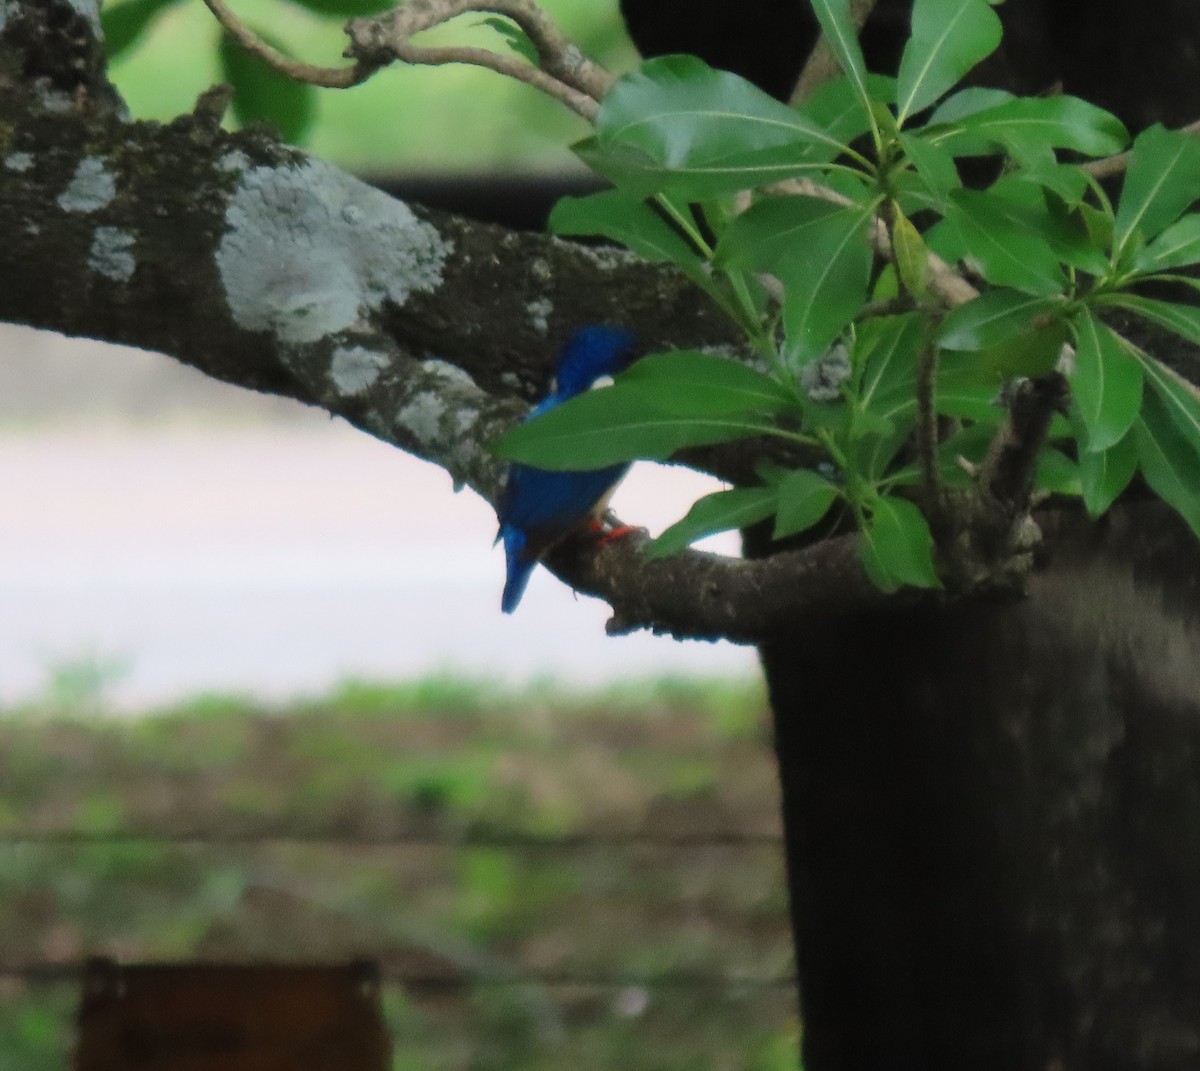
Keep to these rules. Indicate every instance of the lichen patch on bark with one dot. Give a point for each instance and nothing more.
(91, 188)
(111, 254)
(355, 368)
(309, 250)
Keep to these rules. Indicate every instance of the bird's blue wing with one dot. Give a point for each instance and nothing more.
(550, 504)
(538, 509)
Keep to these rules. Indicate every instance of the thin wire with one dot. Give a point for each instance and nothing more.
(38, 973)
(398, 839)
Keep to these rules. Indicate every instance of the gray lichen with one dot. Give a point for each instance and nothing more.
(18, 161)
(235, 160)
(355, 368)
(110, 254)
(539, 313)
(309, 249)
(440, 419)
(449, 373)
(822, 379)
(422, 416)
(91, 187)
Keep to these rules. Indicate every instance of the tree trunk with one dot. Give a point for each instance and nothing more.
(993, 819)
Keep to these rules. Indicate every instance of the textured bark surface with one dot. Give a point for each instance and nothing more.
(995, 833)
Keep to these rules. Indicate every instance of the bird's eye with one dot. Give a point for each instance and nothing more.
(602, 381)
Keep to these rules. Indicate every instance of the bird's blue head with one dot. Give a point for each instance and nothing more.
(592, 352)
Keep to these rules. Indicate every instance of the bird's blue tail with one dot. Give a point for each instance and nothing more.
(519, 569)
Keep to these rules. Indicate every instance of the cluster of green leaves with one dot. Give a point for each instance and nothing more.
(842, 335)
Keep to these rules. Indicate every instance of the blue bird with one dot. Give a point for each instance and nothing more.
(537, 507)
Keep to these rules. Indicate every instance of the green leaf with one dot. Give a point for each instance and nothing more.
(897, 546)
(615, 424)
(912, 258)
(623, 218)
(966, 102)
(996, 317)
(1068, 181)
(1162, 180)
(818, 250)
(1182, 319)
(1178, 396)
(1175, 247)
(825, 282)
(1064, 225)
(1072, 236)
(933, 165)
(1106, 383)
(771, 231)
(842, 38)
(1168, 461)
(718, 512)
(948, 38)
(804, 498)
(1058, 122)
(688, 383)
(516, 38)
(837, 109)
(886, 348)
(1002, 238)
(1056, 473)
(679, 124)
(1103, 475)
(263, 95)
(641, 174)
(124, 23)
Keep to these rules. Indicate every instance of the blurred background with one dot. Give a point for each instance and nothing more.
(259, 701)
(166, 533)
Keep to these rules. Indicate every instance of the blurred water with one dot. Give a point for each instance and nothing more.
(273, 553)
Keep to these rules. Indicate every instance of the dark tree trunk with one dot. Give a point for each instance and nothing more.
(993, 819)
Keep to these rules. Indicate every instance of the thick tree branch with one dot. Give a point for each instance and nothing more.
(266, 268)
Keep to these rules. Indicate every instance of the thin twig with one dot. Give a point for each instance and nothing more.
(822, 65)
(950, 288)
(578, 102)
(329, 77)
(563, 71)
(1110, 166)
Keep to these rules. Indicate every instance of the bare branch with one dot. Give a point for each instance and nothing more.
(1111, 166)
(563, 71)
(328, 77)
(822, 65)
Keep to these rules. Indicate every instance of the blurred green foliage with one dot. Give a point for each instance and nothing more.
(561, 858)
(405, 119)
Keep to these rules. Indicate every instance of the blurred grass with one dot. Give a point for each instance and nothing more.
(548, 879)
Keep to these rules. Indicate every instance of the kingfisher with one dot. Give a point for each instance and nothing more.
(538, 508)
